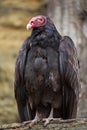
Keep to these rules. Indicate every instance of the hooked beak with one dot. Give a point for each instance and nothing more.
(29, 26)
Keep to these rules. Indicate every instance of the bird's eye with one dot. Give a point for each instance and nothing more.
(39, 20)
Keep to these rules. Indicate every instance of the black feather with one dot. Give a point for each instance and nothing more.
(46, 75)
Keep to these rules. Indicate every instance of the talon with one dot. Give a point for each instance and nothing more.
(47, 121)
(33, 122)
(27, 122)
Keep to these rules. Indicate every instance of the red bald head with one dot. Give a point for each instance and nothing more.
(37, 21)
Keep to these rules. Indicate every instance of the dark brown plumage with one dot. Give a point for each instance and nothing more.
(46, 75)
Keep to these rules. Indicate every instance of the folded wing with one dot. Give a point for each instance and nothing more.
(68, 67)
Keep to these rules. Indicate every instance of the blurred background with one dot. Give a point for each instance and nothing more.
(70, 18)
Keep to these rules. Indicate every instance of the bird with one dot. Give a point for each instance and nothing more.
(46, 79)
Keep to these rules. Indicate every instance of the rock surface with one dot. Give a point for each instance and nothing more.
(80, 124)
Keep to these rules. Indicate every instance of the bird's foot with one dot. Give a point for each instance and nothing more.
(47, 120)
(26, 122)
(32, 122)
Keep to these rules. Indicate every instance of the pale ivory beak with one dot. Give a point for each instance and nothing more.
(28, 26)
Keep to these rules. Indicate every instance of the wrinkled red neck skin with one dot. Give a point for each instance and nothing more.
(36, 24)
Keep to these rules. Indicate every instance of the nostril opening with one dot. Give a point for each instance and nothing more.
(32, 22)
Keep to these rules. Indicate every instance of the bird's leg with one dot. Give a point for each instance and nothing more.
(47, 120)
(34, 121)
(50, 118)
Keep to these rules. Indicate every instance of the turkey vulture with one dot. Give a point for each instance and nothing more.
(46, 74)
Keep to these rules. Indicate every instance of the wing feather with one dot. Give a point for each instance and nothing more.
(19, 86)
(68, 67)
